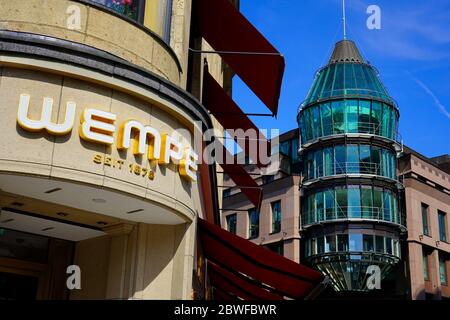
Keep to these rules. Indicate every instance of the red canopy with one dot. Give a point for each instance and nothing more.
(240, 268)
(243, 48)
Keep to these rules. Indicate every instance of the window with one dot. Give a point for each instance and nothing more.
(330, 204)
(330, 243)
(341, 203)
(366, 203)
(277, 247)
(352, 163)
(379, 244)
(442, 226)
(232, 223)
(318, 207)
(368, 244)
(425, 219)
(338, 108)
(127, 8)
(442, 271)
(342, 242)
(328, 167)
(355, 241)
(320, 245)
(276, 216)
(268, 178)
(226, 193)
(339, 154)
(364, 116)
(327, 122)
(426, 274)
(354, 202)
(253, 226)
(351, 113)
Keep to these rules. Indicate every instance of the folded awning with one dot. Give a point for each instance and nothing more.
(243, 48)
(242, 180)
(238, 268)
(236, 122)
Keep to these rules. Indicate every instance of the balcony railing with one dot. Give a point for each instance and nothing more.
(350, 213)
(376, 129)
(338, 168)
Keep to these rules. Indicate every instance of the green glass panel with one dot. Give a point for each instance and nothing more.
(376, 119)
(318, 201)
(328, 161)
(318, 159)
(366, 166)
(387, 205)
(317, 86)
(378, 203)
(327, 122)
(352, 161)
(364, 116)
(338, 109)
(376, 159)
(351, 114)
(330, 204)
(316, 127)
(354, 202)
(339, 80)
(349, 78)
(341, 202)
(386, 121)
(367, 203)
(329, 83)
(339, 159)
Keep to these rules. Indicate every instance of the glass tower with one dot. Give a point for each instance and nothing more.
(350, 215)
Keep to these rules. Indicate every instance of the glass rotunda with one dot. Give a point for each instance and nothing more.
(350, 209)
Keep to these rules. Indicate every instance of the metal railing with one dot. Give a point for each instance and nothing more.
(349, 213)
(337, 168)
(369, 128)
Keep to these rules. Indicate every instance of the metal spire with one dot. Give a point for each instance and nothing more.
(344, 19)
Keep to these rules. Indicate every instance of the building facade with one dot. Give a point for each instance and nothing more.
(352, 191)
(427, 202)
(97, 164)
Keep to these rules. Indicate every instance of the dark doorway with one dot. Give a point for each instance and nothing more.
(18, 287)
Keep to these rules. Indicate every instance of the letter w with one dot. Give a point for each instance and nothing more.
(46, 117)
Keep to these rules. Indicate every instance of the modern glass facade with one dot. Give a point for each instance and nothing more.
(349, 159)
(348, 116)
(350, 202)
(342, 79)
(350, 214)
(354, 243)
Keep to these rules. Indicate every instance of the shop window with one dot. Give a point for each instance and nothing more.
(379, 244)
(128, 8)
(232, 223)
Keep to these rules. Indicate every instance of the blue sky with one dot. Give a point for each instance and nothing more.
(411, 52)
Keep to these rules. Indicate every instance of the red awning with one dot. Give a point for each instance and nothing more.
(231, 117)
(227, 30)
(243, 269)
(242, 179)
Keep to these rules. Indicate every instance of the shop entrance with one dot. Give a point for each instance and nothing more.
(18, 287)
(32, 267)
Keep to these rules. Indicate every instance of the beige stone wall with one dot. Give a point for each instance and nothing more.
(137, 261)
(98, 29)
(68, 157)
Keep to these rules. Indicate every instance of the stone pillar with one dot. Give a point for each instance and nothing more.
(416, 271)
(119, 266)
